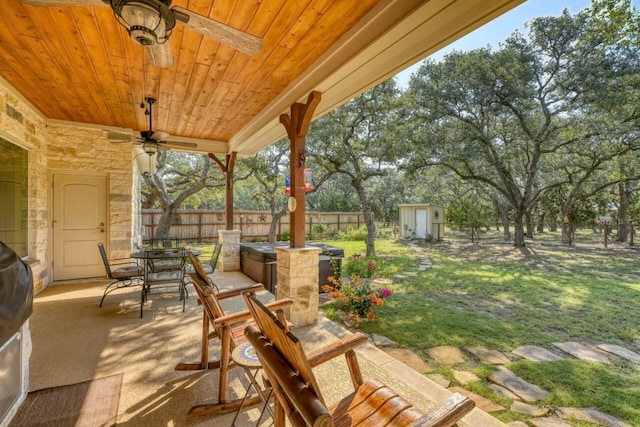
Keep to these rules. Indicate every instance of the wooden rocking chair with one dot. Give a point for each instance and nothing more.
(229, 329)
(298, 396)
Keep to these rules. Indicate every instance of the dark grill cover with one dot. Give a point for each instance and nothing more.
(16, 293)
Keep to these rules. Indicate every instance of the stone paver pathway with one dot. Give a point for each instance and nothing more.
(490, 357)
(521, 388)
(584, 351)
(591, 415)
(525, 408)
(446, 355)
(536, 354)
(621, 352)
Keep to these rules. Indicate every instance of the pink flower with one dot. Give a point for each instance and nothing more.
(384, 292)
(371, 266)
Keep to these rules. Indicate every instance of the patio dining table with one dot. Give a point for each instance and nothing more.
(172, 272)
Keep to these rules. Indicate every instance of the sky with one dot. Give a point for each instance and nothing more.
(500, 28)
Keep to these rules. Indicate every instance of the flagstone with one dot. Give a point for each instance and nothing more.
(620, 351)
(482, 403)
(409, 358)
(447, 355)
(548, 422)
(583, 351)
(503, 392)
(591, 415)
(440, 379)
(382, 341)
(492, 357)
(525, 408)
(523, 389)
(517, 424)
(536, 354)
(465, 377)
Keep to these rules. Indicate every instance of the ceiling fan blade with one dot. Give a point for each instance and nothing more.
(160, 135)
(117, 136)
(232, 37)
(161, 55)
(180, 144)
(64, 3)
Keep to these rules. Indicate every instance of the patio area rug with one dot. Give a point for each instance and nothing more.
(91, 403)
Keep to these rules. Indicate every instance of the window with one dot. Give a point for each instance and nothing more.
(14, 193)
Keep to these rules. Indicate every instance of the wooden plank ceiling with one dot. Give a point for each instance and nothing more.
(77, 64)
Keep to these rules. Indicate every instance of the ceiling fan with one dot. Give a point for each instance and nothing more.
(150, 22)
(151, 141)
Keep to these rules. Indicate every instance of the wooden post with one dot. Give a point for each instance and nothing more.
(227, 169)
(297, 126)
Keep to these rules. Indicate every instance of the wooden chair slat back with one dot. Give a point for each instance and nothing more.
(285, 342)
(207, 296)
(198, 267)
(293, 396)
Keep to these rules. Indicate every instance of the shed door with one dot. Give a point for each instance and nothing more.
(421, 223)
(79, 224)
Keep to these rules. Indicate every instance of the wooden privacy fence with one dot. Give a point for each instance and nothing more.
(203, 225)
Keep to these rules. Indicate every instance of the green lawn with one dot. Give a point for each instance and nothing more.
(496, 296)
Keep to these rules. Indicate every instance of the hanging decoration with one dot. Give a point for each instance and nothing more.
(308, 186)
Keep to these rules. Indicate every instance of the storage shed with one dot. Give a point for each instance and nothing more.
(421, 221)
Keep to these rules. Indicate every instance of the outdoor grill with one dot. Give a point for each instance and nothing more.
(16, 305)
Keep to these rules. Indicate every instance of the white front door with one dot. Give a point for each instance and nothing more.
(421, 223)
(79, 224)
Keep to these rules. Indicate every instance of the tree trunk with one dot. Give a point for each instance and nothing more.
(503, 213)
(518, 229)
(540, 227)
(165, 222)
(273, 227)
(368, 218)
(625, 191)
(567, 229)
(529, 220)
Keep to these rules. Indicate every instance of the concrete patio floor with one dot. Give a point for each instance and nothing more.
(74, 341)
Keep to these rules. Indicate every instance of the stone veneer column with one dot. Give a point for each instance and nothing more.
(229, 259)
(297, 271)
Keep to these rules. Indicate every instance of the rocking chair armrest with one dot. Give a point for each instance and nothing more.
(446, 413)
(239, 291)
(333, 350)
(239, 316)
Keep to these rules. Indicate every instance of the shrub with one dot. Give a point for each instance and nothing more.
(365, 267)
(357, 296)
(352, 234)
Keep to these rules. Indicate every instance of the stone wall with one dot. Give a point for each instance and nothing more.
(55, 147)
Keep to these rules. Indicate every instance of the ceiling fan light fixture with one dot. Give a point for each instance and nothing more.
(150, 147)
(148, 22)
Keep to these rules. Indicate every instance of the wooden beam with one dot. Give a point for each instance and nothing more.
(227, 169)
(297, 126)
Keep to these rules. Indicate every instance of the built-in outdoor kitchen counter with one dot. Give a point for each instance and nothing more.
(258, 261)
